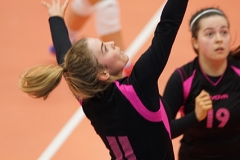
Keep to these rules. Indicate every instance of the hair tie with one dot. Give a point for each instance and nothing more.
(64, 69)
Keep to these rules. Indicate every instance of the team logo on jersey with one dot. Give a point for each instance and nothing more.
(219, 97)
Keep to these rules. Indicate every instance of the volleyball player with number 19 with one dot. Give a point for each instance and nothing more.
(207, 92)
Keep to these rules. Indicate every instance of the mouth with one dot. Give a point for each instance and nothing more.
(219, 49)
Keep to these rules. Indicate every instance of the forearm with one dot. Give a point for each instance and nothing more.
(60, 37)
(153, 61)
(167, 30)
(179, 126)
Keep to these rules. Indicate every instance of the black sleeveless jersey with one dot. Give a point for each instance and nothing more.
(218, 135)
(130, 116)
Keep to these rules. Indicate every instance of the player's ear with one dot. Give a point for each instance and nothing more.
(194, 43)
(103, 75)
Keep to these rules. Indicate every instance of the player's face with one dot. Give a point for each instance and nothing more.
(214, 38)
(108, 55)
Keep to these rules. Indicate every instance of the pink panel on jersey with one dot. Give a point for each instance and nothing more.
(126, 147)
(158, 116)
(187, 85)
(128, 151)
(237, 70)
(115, 147)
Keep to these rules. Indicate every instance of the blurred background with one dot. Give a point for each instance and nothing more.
(56, 128)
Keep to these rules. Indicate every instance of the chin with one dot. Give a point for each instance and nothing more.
(219, 58)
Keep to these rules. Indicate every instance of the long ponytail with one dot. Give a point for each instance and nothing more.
(39, 81)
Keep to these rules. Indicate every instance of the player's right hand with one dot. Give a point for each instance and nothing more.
(203, 104)
(56, 9)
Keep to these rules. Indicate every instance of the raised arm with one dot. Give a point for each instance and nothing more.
(153, 61)
(61, 41)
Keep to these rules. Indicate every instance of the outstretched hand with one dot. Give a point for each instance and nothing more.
(56, 9)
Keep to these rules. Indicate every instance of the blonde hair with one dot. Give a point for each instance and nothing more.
(40, 80)
(80, 70)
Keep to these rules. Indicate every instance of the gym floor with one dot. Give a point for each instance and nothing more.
(56, 128)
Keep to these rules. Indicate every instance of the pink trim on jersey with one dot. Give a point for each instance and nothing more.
(158, 116)
(187, 85)
(237, 70)
(115, 147)
(181, 75)
(128, 151)
(165, 118)
(209, 80)
(126, 147)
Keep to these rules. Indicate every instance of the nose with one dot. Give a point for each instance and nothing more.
(218, 38)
